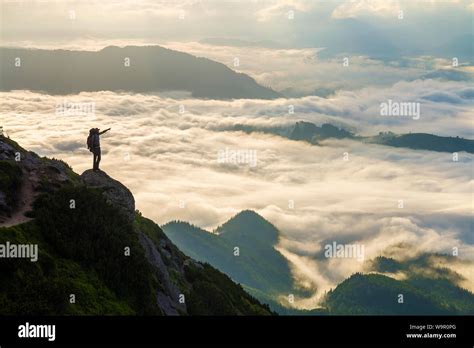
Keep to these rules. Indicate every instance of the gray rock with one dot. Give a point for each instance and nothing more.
(7, 152)
(115, 192)
(168, 299)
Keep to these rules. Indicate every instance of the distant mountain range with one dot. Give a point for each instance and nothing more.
(264, 272)
(140, 69)
(310, 132)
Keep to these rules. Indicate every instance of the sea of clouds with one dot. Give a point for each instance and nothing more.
(165, 149)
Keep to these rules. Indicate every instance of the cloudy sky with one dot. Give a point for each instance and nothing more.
(291, 22)
(403, 51)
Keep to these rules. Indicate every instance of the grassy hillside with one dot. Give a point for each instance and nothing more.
(81, 252)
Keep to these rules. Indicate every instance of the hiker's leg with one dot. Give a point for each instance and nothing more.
(94, 160)
(98, 159)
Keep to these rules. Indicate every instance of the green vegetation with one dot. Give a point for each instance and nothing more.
(95, 235)
(214, 293)
(427, 289)
(259, 268)
(378, 294)
(207, 291)
(10, 184)
(82, 252)
(44, 287)
(258, 265)
(263, 273)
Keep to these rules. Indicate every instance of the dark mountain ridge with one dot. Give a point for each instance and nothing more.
(314, 134)
(140, 69)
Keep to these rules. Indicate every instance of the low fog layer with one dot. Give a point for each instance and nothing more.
(169, 153)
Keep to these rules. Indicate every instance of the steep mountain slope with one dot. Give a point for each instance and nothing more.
(132, 68)
(97, 256)
(257, 266)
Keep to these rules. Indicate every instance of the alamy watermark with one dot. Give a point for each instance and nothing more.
(67, 108)
(28, 330)
(20, 251)
(400, 109)
(344, 251)
(237, 156)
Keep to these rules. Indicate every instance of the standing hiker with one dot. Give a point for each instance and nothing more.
(93, 144)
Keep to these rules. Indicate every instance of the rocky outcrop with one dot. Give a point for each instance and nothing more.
(114, 191)
(168, 294)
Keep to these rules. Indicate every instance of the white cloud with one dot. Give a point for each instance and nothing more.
(282, 8)
(384, 8)
(166, 157)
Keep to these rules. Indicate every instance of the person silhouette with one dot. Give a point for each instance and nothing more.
(93, 142)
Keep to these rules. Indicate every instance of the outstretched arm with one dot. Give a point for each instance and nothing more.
(104, 131)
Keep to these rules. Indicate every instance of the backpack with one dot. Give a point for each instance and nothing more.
(90, 139)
